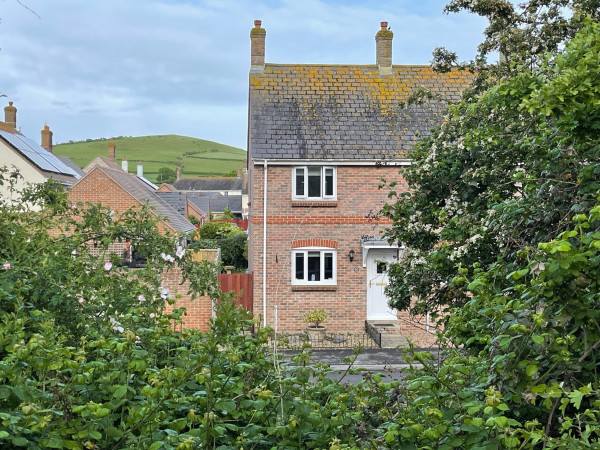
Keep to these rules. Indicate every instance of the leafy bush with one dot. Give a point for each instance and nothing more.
(234, 250)
(218, 230)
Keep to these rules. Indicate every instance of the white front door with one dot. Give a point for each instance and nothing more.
(377, 280)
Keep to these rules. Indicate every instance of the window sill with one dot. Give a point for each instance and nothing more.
(314, 203)
(305, 287)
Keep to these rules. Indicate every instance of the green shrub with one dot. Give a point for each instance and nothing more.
(219, 230)
(234, 250)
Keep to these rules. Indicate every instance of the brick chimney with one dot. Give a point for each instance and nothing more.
(10, 115)
(125, 165)
(383, 44)
(47, 138)
(112, 147)
(257, 47)
(140, 169)
(179, 173)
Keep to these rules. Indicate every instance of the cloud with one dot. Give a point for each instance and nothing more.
(104, 68)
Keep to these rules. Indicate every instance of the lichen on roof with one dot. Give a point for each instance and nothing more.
(344, 112)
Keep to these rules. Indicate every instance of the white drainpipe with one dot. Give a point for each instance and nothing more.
(264, 277)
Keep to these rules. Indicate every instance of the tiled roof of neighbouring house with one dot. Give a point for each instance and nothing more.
(344, 112)
(200, 203)
(67, 162)
(209, 184)
(232, 202)
(138, 189)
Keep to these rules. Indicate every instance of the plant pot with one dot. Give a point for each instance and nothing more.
(316, 333)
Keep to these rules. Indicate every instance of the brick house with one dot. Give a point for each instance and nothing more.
(320, 139)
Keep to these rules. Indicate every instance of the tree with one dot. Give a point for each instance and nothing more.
(503, 222)
(167, 175)
(506, 170)
(227, 214)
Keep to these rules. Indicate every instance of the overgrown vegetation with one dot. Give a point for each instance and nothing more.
(231, 239)
(502, 222)
(502, 225)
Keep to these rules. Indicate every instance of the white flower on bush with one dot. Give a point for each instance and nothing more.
(164, 293)
(6, 266)
(141, 298)
(116, 325)
(108, 266)
(180, 252)
(167, 257)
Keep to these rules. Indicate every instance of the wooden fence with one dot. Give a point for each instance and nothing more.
(241, 284)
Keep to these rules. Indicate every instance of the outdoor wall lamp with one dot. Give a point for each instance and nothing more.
(351, 255)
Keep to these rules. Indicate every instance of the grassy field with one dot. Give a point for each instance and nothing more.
(197, 157)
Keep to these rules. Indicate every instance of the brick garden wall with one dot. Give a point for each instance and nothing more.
(342, 223)
(199, 311)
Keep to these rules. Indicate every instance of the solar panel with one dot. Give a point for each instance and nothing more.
(37, 154)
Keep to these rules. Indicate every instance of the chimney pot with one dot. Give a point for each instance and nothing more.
(10, 115)
(47, 138)
(383, 49)
(257, 47)
(125, 164)
(140, 169)
(179, 173)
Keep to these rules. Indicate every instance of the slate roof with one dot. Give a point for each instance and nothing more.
(69, 163)
(205, 203)
(201, 203)
(209, 184)
(233, 202)
(140, 191)
(176, 200)
(36, 154)
(343, 112)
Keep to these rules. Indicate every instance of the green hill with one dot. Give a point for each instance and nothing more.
(197, 157)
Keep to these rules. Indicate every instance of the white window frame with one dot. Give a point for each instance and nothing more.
(305, 195)
(305, 251)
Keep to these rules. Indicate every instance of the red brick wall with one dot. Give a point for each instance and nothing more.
(199, 311)
(343, 222)
(96, 187)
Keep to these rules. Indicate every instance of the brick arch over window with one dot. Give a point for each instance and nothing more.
(328, 243)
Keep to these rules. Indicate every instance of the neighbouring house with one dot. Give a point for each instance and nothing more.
(36, 163)
(234, 187)
(188, 204)
(112, 186)
(321, 138)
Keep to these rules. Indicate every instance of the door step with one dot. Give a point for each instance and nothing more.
(386, 333)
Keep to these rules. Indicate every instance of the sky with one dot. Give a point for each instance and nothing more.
(108, 68)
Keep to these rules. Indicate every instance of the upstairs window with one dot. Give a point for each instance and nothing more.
(314, 183)
(314, 266)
